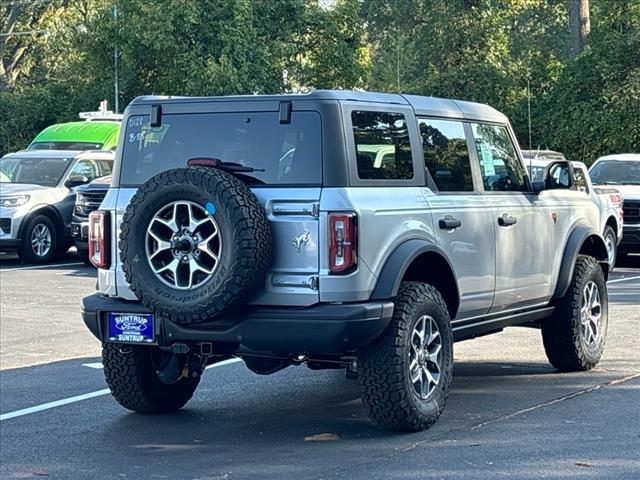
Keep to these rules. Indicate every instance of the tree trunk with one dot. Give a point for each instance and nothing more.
(579, 24)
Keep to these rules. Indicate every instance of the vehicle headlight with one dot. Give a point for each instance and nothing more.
(13, 202)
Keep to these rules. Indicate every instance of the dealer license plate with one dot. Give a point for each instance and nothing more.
(131, 327)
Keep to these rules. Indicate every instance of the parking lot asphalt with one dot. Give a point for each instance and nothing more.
(510, 414)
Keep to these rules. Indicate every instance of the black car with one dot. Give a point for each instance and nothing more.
(89, 197)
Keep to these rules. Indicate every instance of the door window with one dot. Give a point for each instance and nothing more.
(579, 180)
(383, 149)
(446, 154)
(500, 166)
(85, 168)
(105, 167)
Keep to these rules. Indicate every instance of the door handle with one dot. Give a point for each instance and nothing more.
(507, 220)
(449, 223)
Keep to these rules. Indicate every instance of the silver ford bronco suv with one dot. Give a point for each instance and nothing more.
(337, 229)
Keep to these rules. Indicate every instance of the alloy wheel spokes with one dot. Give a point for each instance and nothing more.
(183, 245)
(591, 314)
(425, 356)
(41, 240)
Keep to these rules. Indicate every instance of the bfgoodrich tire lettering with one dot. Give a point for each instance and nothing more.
(388, 392)
(134, 383)
(244, 235)
(567, 345)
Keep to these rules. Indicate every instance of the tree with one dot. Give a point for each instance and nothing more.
(579, 24)
(23, 29)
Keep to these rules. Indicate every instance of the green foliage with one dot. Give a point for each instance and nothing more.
(481, 50)
(594, 108)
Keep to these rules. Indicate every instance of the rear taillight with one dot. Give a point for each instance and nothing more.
(343, 242)
(99, 239)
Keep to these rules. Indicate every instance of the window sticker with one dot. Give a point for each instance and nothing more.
(487, 160)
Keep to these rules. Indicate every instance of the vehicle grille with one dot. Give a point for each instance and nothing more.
(631, 212)
(5, 225)
(89, 201)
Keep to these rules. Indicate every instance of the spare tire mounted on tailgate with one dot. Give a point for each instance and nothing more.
(194, 242)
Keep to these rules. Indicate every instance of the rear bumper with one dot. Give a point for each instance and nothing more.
(630, 239)
(323, 328)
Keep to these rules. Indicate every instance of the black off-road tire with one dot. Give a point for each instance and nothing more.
(26, 252)
(383, 366)
(562, 336)
(135, 385)
(246, 243)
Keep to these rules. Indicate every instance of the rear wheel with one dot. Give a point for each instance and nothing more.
(574, 337)
(39, 240)
(405, 373)
(133, 374)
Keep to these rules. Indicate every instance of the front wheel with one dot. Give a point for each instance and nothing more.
(405, 373)
(611, 242)
(575, 335)
(39, 240)
(133, 376)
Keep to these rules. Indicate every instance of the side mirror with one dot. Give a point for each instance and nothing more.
(76, 180)
(557, 176)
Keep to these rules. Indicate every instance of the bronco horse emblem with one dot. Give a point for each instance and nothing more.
(301, 240)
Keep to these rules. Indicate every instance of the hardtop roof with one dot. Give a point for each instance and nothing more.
(430, 106)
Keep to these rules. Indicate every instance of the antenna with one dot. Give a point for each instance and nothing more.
(529, 117)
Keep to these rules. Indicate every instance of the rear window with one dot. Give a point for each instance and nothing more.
(282, 153)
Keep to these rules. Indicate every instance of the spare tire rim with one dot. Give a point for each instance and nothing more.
(425, 356)
(591, 314)
(183, 245)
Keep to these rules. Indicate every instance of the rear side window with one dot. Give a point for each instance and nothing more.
(383, 149)
(281, 153)
(446, 154)
(501, 169)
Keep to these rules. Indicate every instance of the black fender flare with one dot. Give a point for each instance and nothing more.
(398, 263)
(577, 238)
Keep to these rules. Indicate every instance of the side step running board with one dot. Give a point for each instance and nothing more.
(474, 327)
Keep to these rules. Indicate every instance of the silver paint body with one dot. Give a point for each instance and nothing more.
(60, 197)
(497, 268)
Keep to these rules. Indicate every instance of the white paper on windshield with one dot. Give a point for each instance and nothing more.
(487, 160)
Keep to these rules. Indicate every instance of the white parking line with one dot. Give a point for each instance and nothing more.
(57, 403)
(625, 279)
(86, 396)
(40, 266)
(96, 365)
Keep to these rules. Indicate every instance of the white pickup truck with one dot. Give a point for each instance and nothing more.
(609, 201)
(622, 172)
